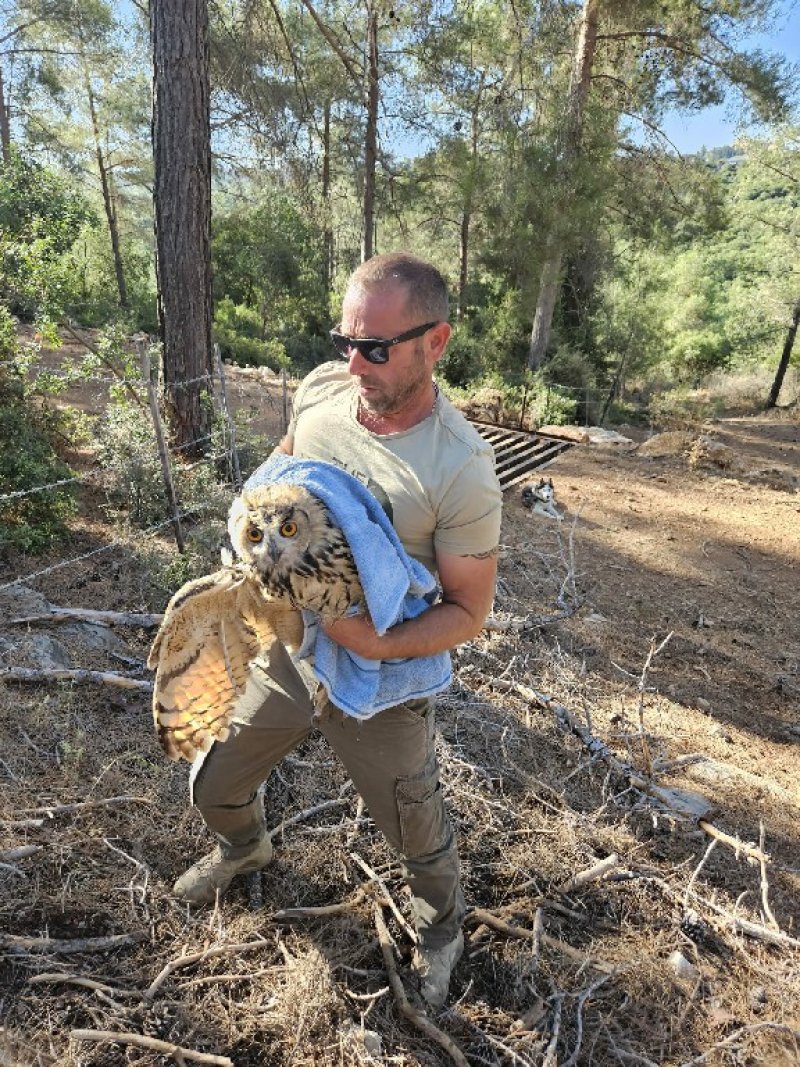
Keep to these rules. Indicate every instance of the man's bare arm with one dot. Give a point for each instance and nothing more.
(286, 445)
(468, 586)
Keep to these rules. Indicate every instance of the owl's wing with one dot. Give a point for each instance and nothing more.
(213, 630)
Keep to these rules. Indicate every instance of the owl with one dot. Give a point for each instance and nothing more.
(290, 555)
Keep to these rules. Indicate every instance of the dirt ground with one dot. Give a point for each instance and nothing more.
(681, 948)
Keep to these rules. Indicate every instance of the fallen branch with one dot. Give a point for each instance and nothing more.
(479, 915)
(104, 992)
(739, 847)
(82, 805)
(21, 852)
(109, 618)
(198, 957)
(325, 910)
(67, 947)
(731, 1039)
(418, 1018)
(591, 874)
(377, 880)
(764, 933)
(678, 801)
(140, 1041)
(78, 675)
(326, 805)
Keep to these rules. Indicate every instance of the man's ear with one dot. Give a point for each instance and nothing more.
(438, 338)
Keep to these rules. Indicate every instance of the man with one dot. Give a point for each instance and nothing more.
(381, 418)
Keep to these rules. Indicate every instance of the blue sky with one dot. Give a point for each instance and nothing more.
(717, 126)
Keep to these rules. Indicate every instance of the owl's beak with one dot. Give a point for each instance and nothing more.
(273, 550)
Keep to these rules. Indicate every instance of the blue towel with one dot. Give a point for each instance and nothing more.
(396, 587)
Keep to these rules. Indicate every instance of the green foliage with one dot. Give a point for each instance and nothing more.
(238, 331)
(31, 522)
(40, 218)
(268, 274)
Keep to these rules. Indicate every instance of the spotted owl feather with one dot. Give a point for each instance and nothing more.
(218, 629)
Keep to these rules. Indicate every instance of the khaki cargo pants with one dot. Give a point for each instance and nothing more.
(391, 760)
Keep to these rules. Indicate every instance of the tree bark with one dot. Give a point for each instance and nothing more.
(371, 136)
(182, 198)
(774, 392)
(327, 233)
(466, 213)
(580, 85)
(5, 124)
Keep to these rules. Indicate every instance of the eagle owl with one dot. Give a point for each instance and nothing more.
(290, 555)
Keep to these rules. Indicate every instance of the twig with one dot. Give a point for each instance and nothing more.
(376, 878)
(731, 1039)
(326, 805)
(550, 1059)
(324, 910)
(140, 1041)
(353, 832)
(112, 618)
(771, 920)
(104, 992)
(66, 947)
(642, 687)
(197, 957)
(591, 874)
(479, 915)
(418, 1018)
(711, 846)
(763, 933)
(582, 998)
(78, 675)
(81, 805)
(738, 846)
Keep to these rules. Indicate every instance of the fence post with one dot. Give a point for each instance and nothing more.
(285, 397)
(147, 375)
(236, 470)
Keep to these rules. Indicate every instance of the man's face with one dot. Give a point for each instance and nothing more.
(388, 387)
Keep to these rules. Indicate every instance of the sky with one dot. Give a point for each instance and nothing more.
(717, 126)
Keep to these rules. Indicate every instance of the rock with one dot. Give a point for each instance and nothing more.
(671, 443)
(44, 652)
(569, 433)
(708, 453)
(19, 600)
(369, 1039)
(780, 478)
(595, 617)
(684, 971)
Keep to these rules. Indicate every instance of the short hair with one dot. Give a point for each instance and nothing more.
(425, 286)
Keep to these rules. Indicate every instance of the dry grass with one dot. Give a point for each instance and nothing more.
(532, 806)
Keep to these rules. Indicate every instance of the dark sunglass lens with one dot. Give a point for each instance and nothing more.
(376, 354)
(340, 343)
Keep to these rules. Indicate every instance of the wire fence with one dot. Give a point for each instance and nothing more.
(222, 458)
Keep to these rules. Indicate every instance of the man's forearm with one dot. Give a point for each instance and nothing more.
(438, 629)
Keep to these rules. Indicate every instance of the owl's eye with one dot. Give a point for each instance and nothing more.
(289, 529)
(255, 534)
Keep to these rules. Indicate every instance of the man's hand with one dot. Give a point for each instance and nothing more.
(357, 634)
(467, 590)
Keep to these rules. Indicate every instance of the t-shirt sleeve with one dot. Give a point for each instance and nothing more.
(470, 510)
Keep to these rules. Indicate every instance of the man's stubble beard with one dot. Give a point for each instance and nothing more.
(390, 403)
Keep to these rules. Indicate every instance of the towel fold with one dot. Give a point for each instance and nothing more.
(396, 587)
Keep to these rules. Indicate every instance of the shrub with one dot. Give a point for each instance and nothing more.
(28, 523)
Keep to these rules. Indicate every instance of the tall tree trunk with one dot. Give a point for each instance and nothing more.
(182, 197)
(105, 185)
(580, 84)
(371, 136)
(774, 392)
(327, 207)
(466, 213)
(5, 124)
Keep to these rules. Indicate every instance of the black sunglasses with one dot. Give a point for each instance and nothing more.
(374, 349)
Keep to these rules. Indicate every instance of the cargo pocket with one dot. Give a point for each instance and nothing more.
(424, 828)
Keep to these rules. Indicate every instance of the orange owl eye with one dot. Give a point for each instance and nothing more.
(255, 534)
(289, 529)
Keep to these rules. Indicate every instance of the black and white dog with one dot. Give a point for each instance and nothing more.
(541, 498)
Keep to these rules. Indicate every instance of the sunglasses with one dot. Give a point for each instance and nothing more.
(374, 349)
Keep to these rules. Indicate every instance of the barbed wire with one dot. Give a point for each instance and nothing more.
(51, 485)
(148, 532)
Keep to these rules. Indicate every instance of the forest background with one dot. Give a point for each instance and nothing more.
(594, 269)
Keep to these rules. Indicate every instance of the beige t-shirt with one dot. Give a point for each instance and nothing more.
(436, 481)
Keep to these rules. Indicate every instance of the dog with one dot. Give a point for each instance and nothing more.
(541, 498)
